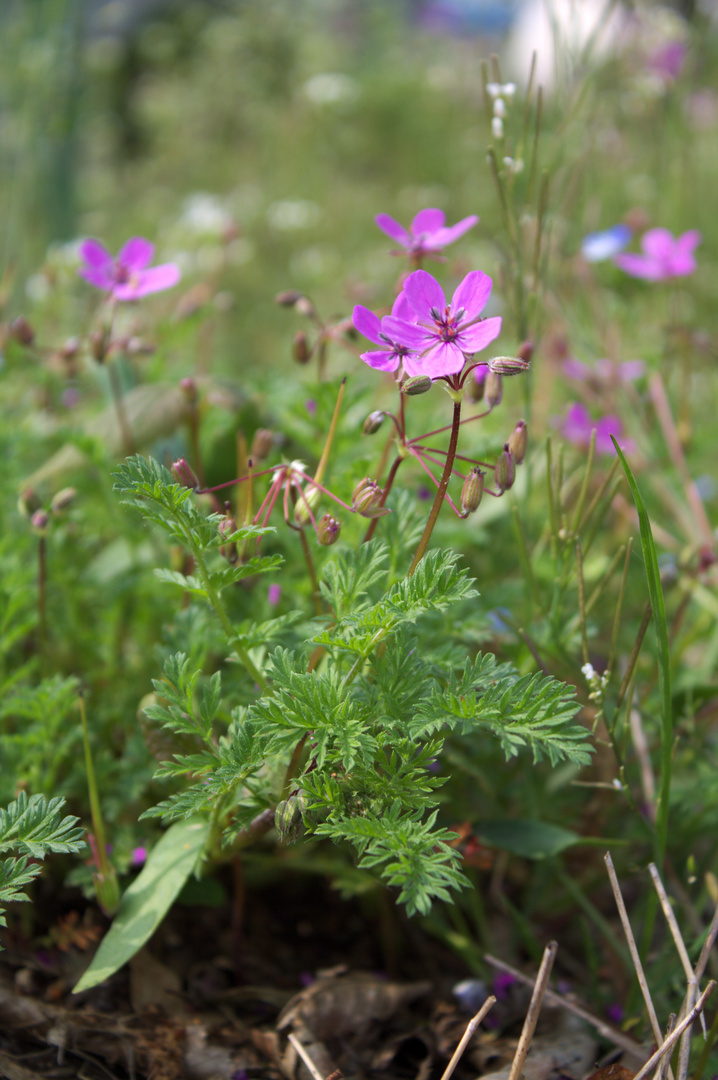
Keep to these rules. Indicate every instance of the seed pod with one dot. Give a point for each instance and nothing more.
(494, 389)
(328, 529)
(472, 490)
(365, 495)
(300, 348)
(505, 470)
(262, 443)
(183, 473)
(508, 365)
(288, 298)
(373, 422)
(22, 331)
(309, 501)
(28, 502)
(418, 384)
(476, 386)
(62, 499)
(518, 441)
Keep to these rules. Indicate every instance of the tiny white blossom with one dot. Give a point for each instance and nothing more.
(500, 107)
(588, 671)
(497, 127)
(493, 89)
(508, 89)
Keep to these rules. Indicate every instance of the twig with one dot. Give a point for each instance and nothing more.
(540, 986)
(663, 1067)
(640, 745)
(707, 945)
(655, 1027)
(604, 1029)
(470, 1029)
(305, 1057)
(673, 1038)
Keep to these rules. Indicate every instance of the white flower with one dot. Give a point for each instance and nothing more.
(331, 88)
(497, 127)
(588, 671)
(500, 107)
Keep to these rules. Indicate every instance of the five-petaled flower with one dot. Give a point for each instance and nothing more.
(578, 426)
(391, 353)
(664, 256)
(128, 276)
(444, 334)
(428, 232)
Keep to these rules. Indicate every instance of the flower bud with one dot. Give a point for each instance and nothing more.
(305, 307)
(183, 473)
(328, 529)
(28, 502)
(22, 331)
(62, 499)
(417, 384)
(262, 444)
(518, 441)
(107, 890)
(288, 298)
(189, 389)
(525, 351)
(288, 818)
(300, 348)
(494, 389)
(227, 526)
(39, 521)
(70, 349)
(373, 422)
(508, 365)
(472, 490)
(476, 386)
(505, 470)
(137, 347)
(366, 499)
(310, 500)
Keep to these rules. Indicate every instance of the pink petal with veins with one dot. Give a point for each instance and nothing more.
(367, 323)
(382, 360)
(471, 295)
(424, 293)
(474, 338)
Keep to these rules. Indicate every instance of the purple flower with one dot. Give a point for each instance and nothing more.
(391, 353)
(598, 246)
(427, 233)
(604, 371)
(138, 856)
(503, 981)
(126, 277)
(275, 591)
(615, 1013)
(578, 425)
(668, 60)
(445, 334)
(665, 256)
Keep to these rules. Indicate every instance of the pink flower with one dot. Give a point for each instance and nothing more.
(126, 277)
(664, 255)
(138, 856)
(604, 371)
(274, 594)
(445, 334)
(427, 234)
(391, 353)
(578, 425)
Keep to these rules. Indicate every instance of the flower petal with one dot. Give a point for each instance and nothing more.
(658, 243)
(158, 278)
(382, 360)
(471, 295)
(136, 254)
(424, 293)
(690, 240)
(577, 425)
(393, 229)
(445, 359)
(474, 338)
(413, 365)
(367, 323)
(447, 236)
(95, 254)
(101, 278)
(402, 309)
(641, 266)
(407, 334)
(427, 222)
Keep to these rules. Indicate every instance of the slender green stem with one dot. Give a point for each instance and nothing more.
(118, 400)
(42, 593)
(316, 594)
(441, 491)
(95, 809)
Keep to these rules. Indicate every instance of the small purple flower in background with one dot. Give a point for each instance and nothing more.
(502, 983)
(138, 857)
(664, 256)
(668, 60)
(311, 406)
(126, 277)
(391, 353)
(598, 246)
(615, 1013)
(604, 370)
(275, 591)
(427, 233)
(578, 425)
(444, 333)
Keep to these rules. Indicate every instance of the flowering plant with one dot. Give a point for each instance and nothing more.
(128, 276)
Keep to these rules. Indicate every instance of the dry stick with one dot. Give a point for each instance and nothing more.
(655, 1027)
(540, 986)
(663, 1068)
(604, 1029)
(470, 1029)
(305, 1057)
(640, 745)
(673, 1038)
(707, 945)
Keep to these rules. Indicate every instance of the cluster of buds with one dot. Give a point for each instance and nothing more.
(30, 506)
(597, 683)
(302, 349)
(328, 529)
(500, 94)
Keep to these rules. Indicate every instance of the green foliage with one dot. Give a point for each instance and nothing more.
(32, 828)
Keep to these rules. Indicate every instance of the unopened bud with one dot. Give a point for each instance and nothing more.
(70, 349)
(136, 346)
(418, 384)
(472, 490)
(309, 499)
(288, 298)
(99, 341)
(39, 521)
(525, 351)
(508, 365)
(184, 474)
(476, 386)
(107, 890)
(22, 331)
(305, 307)
(228, 526)
(28, 502)
(366, 499)
(518, 441)
(328, 530)
(62, 500)
(505, 471)
(494, 390)
(288, 818)
(189, 389)
(262, 443)
(373, 422)
(300, 348)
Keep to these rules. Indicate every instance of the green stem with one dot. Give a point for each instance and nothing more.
(384, 496)
(441, 491)
(95, 809)
(118, 400)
